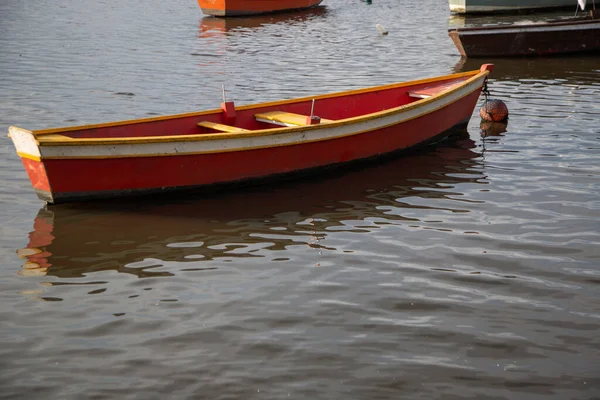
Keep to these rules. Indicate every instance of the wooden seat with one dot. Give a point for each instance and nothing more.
(419, 95)
(427, 92)
(54, 137)
(285, 118)
(221, 127)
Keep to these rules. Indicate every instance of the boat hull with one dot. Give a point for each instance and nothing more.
(237, 8)
(506, 6)
(138, 157)
(544, 39)
(177, 174)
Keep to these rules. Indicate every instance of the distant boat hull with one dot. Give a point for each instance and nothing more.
(244, 144)
(494, 6)
(541, 39)
(236, 8)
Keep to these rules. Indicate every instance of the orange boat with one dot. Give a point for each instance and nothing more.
(234, 8)
(247, 143)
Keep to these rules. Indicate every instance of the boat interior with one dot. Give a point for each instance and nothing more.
(229, 119)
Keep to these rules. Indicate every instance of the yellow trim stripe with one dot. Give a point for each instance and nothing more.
(29, 156)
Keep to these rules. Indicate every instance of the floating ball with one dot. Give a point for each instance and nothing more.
(494, 110)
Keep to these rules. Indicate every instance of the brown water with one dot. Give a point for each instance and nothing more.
(466, 271)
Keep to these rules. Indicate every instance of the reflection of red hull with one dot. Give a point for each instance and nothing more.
(232, 8)
(248, 143)
(128, 232)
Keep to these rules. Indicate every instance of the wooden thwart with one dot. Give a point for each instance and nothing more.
(425, 93)
(419, 95)
(285, 118)
(221, 127)
(56, 138)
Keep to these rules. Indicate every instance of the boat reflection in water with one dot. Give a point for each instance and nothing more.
(139, 237)
(212, 26)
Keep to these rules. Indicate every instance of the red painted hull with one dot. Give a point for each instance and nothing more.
(135, 157)
(154, 174)
(235, 8)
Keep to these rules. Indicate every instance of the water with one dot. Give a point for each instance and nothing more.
(465, 271)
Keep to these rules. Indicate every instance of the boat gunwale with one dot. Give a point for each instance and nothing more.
(39, 134)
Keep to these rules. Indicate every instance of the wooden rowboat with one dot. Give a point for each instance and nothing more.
(246, 143)
(236, 8)
(556, 37)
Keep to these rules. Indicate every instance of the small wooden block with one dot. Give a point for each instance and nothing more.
(427, 92)
(285, 118)
(54, 137)
(221, 127)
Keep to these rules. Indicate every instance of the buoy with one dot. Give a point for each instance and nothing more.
(382, 29)
(494, 110)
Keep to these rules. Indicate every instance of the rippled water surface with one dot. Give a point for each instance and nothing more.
(470, 270)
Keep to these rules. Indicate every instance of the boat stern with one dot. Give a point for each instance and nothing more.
(27, 148)
(25, 142)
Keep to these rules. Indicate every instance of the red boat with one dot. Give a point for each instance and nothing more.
(245, 143)
(235, 8)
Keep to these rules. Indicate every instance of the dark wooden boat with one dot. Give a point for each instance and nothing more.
(556, 37)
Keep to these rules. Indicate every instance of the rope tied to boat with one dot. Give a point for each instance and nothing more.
(485, 90)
